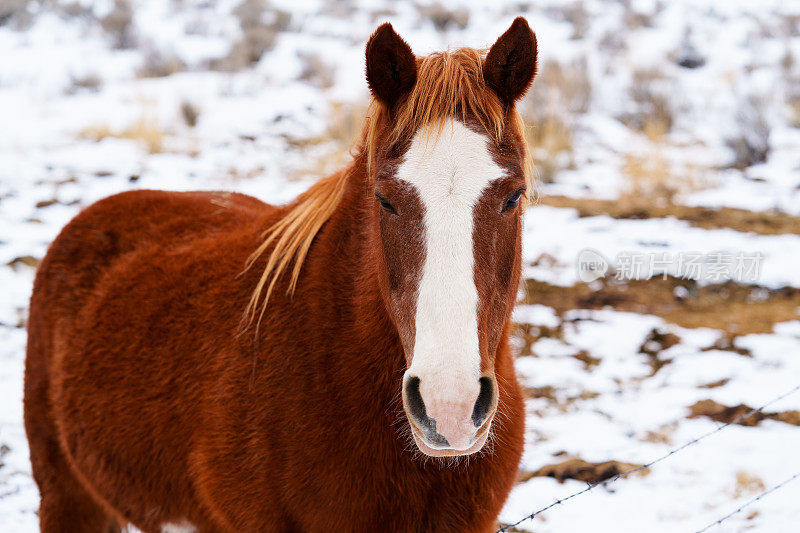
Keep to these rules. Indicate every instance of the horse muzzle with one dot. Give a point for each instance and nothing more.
(450, 421)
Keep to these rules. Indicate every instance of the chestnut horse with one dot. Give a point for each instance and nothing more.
(206, 362)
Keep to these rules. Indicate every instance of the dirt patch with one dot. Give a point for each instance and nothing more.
(761, 222)
(588, 361)
(727, 343)
(557, 398)
(582, 471)
(714, 384)
(530, 333)
(656, 342)
(661, 435)
(722, 413)
(735, 308)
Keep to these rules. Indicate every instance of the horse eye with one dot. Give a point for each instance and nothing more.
(513, 200)
(386, 205)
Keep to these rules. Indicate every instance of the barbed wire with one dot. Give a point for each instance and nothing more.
(754, 500)
(592, 486)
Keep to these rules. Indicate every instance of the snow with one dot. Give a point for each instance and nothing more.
(561, 234)
(249, 137)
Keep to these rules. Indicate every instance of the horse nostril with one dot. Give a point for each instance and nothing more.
(414, 401)
(416, 408)
(484, 402)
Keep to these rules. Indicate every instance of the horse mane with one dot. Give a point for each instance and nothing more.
(449, 84)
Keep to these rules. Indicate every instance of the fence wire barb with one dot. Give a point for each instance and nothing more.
(592, 486)
(754, 500)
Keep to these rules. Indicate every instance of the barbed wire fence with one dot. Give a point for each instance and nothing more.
(591, 486)
(754, 500)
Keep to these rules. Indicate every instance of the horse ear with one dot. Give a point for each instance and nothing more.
(391, 65)
(510, 65)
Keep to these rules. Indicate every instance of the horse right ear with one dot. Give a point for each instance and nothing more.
(391, 66)
(510, 65)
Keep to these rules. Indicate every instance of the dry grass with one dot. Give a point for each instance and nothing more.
(146, 130)
(24, 260)
(551, 147)
(794, 112)
(747, 484)
(761, 222)
(651, 180)
(730, 307)
(560, 94)
(582, 471)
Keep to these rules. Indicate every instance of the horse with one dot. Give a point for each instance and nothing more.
(203, 361)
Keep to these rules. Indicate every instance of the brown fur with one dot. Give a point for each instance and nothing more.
(146, 403)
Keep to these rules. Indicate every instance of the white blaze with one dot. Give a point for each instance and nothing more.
(449, 173)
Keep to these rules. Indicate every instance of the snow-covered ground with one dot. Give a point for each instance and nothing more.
(95, 100)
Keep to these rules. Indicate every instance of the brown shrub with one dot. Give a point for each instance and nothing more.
(444, 18)
(89, 82)
(315, 71)
(751, 142)
(650, 94)
(15, 13)
(158, 64)
(189, 113)
(260, 28)
(119, 24)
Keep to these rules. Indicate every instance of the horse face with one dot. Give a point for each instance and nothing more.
(450, 229)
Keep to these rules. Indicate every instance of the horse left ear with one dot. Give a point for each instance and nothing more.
(510, 65)
(391, 65)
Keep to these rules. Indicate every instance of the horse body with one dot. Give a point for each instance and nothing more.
(161, 414)
(150, 400)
